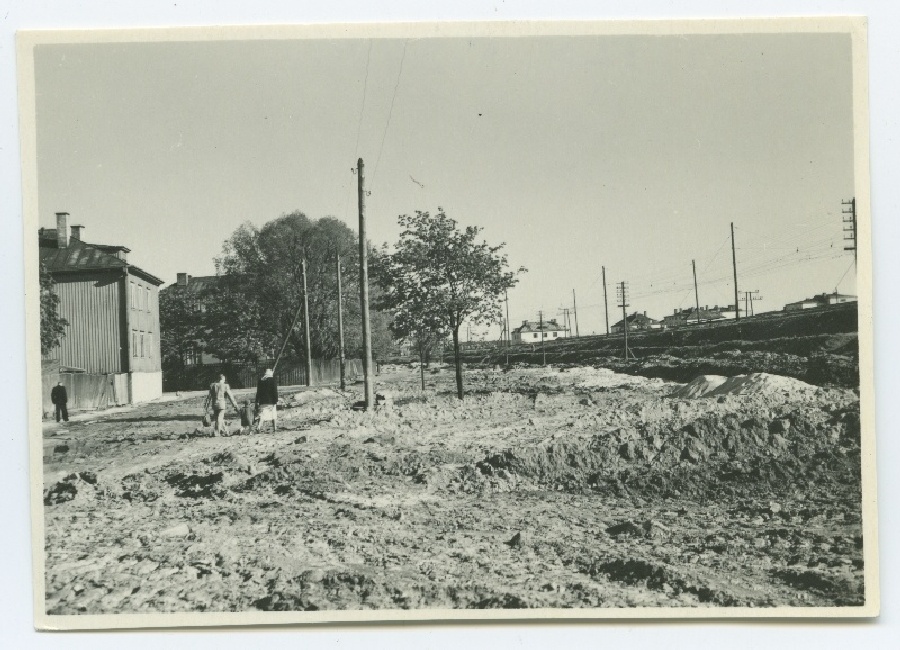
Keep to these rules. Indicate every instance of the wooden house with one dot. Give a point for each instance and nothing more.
(111, 343)
(530, 331)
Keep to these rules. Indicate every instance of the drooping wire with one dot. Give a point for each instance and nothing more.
(852, 264)
(390, 111)
(362, 109)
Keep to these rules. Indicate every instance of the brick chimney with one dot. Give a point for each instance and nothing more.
(76, 232)
(62, 229)
(183, 279)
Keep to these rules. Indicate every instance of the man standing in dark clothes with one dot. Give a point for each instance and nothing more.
(267, 400)
(59, 398)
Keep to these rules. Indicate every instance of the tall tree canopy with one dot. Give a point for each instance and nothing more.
(53, 326)
(251, 312)
(437, 277)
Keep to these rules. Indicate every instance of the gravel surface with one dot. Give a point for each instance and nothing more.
(578, 487)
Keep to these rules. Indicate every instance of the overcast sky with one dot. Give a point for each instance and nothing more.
(633, 152)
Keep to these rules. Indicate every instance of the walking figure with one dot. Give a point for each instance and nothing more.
(60, 398)
(267, 400)
(217, 398)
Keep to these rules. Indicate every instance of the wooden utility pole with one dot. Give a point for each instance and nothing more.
(340, 314)
(575, 312)
(368, 369)
(307, 347)
(737, 310)
(541, 328)
(749, 298)
(623, 296)
(696, 294)
(508, 331)
(605, 302)
(850, 226)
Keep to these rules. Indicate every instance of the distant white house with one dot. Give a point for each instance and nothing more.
(821, 300)
(530, 331)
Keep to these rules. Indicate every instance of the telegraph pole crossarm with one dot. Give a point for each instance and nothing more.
(850, 226)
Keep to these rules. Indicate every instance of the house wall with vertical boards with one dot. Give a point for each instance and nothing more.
(91, 303)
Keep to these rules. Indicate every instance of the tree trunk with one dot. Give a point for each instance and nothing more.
(459, 385)
(421, 366)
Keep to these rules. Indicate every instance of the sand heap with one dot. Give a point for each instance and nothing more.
(757, 383)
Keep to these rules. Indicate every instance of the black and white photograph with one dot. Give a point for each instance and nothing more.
(449, 322)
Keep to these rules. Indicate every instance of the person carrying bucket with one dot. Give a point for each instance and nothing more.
(217, 398)
(267, 400)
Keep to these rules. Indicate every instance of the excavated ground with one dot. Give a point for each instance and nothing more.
(544, 488)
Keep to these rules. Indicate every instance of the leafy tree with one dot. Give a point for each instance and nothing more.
(263, 266)
(414, 319)
(438, 277)
(229, 326)
(178, 327)
(53, 326)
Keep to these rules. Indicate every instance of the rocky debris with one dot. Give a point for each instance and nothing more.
(518, 540)
(647, 529)
(178, 530)
(74, 485)
(608, 495)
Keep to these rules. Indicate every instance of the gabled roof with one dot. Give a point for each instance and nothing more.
(198, 284)
(81, 256)
(535, 326)
(638, 318)
(691, 314)
(826, 296)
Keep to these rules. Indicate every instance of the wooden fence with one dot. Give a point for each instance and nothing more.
(85, 390)
(199, 377)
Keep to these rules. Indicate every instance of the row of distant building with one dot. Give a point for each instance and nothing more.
(530, 331)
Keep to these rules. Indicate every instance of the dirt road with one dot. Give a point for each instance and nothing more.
(580, 488)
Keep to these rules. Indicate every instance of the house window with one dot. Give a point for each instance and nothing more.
(133, 297)
(149, 345)
(134, 343)
(534, 335)
(554, 334)
(148, 298)
(142, 344)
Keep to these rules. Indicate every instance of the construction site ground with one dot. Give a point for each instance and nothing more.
(546, 487)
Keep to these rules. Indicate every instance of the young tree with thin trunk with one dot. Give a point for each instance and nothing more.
(439, 277)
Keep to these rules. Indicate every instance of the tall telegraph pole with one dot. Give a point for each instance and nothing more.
(623, 297)
(737, 309)
(306, 342)
(368, 370)
(575, 313)
(541, 327)
(340, 314)
(696, 293)
(605, 302)
(508, 330)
